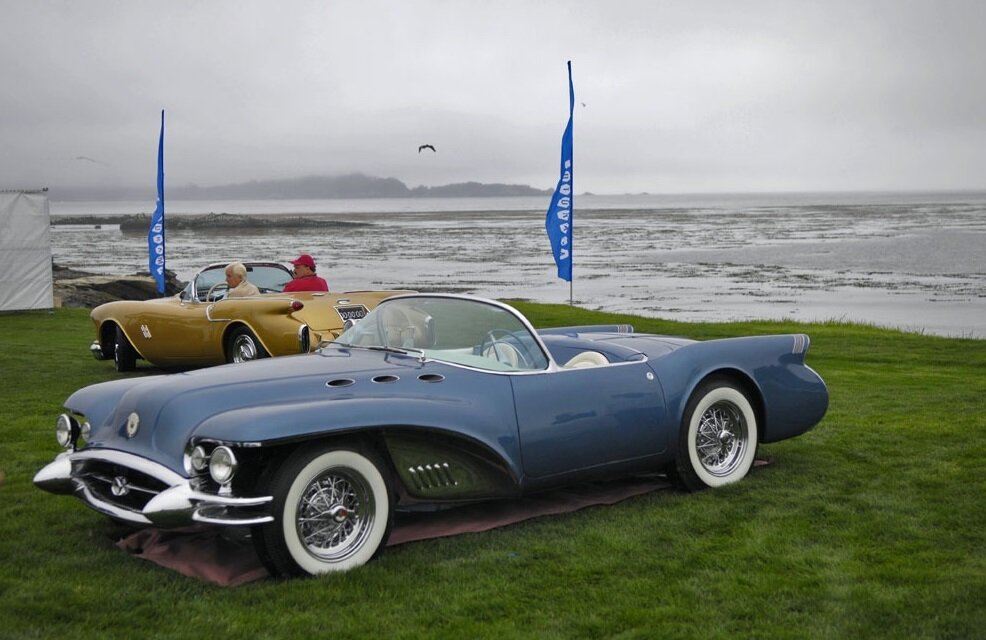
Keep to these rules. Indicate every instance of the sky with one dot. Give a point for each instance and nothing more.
(684, 96)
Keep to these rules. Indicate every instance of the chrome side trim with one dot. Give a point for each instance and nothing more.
(801, 343)
(432, 476)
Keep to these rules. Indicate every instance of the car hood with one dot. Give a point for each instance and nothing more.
(171, 408)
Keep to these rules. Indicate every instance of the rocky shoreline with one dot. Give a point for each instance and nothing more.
(88, 290)
(74, 288)
(139, 222)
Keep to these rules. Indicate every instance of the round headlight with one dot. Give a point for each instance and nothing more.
(86, 430)
(195, 460)
(66, 431)
(222, 465)
(199, 459)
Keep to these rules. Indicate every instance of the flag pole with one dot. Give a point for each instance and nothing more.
(155, 234)
(558, 221)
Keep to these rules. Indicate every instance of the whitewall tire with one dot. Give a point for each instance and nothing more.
(717, 443)
(332, 512)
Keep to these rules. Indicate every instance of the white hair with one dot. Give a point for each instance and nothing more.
(237, 269)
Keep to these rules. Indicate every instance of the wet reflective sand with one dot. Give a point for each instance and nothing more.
(918, 266)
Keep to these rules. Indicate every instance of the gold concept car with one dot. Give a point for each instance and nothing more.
(200, 327)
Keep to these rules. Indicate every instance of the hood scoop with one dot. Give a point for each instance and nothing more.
(340, 382)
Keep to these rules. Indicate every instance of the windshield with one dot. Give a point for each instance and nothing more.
(471, 332)
(269, 278)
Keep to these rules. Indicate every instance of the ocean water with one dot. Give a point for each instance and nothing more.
(911, 261)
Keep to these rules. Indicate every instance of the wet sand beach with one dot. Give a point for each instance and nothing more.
(916, 263)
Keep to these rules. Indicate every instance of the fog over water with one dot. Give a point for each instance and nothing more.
(910, 261)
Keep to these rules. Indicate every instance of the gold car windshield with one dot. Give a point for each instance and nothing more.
(269, 278)
(465, 331)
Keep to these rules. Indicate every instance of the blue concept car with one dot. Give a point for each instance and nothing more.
(429, 399)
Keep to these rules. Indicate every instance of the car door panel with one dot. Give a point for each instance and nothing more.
(176, 333)
(581, 418)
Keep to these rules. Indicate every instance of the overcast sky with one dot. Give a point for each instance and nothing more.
(671, 96)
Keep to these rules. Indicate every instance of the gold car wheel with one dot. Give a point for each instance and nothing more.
(124, 354)
(244, 346)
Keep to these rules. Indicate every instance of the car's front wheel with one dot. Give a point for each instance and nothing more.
(243, 346)
(124, 354)
(332, 511)
(717, 442)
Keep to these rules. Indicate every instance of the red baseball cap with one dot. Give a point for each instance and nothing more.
(306, 260)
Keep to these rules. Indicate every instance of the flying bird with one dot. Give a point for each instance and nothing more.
(93, 160)
(425, 146)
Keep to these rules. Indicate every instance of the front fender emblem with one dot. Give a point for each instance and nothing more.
(133, 424)
(146, 331)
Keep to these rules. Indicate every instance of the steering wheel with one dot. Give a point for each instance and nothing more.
(504, 346)
(218, 288)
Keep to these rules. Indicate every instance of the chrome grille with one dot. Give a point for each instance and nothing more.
(117, 484)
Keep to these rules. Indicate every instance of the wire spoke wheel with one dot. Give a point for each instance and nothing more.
(335, 514)
(718, 437)
(332, 508)
(721, 438)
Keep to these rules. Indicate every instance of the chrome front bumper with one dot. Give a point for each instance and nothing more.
(96, 350)
(178, 504)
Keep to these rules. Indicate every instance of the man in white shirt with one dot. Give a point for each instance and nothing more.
(239, 286)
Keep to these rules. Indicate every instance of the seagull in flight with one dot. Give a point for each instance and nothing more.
(93, 160)
(425, 146)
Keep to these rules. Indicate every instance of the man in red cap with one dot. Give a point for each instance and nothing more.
(304, 276)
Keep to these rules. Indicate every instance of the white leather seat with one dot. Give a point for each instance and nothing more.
(586, 359)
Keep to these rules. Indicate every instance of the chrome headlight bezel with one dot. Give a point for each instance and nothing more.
(67, 431)
(222, 465)
(198, 461)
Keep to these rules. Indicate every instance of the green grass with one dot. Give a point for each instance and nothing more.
(872, 525)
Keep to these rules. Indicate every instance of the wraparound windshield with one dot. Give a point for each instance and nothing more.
(470, 332)
(269, 278)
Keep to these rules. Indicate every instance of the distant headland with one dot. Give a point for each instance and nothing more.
(354, 185)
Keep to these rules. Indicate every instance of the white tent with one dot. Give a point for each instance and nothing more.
(25, 251)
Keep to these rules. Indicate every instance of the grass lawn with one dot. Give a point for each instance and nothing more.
(871, 525)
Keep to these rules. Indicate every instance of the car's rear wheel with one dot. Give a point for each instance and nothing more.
(124, 354)
(717, 442)
(332, 512)
(243, 346)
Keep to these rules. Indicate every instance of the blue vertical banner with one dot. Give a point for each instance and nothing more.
(558, 221)
(155, 235)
